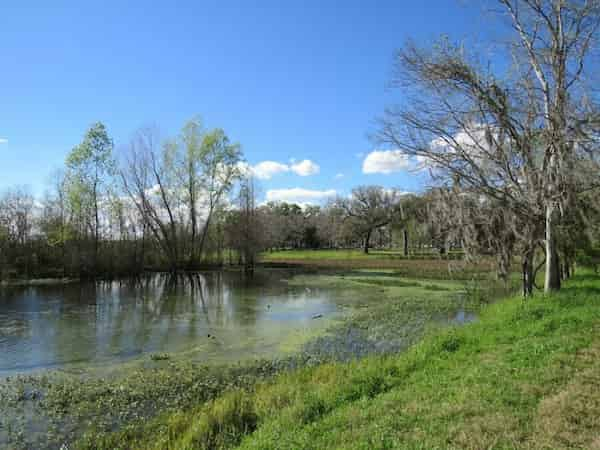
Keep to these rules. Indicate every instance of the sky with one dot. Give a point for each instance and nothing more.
(298, 84)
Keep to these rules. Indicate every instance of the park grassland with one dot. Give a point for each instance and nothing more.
(524, 375)
(425, 264)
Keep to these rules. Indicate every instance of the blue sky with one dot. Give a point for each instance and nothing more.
(291, 81)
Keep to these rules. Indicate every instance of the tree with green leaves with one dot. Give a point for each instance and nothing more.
(206, 162)
(219, 169)
(90, 167)
(179, 185)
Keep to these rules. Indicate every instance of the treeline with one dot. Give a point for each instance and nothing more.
(186, 204)
(152, 206)
(371, 217)
(181, 203)
(190, 203)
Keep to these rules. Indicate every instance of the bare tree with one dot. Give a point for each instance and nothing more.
(500, 138)
(251, 231)
(55, 216)
(556, 38)
(144, 179)
(178, 185)
(16, 224)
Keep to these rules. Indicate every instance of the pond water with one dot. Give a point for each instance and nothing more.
(76, 354)
(217, 315)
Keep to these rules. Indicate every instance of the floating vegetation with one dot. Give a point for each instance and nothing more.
(435, 287)
(61, 408)
(388, 282)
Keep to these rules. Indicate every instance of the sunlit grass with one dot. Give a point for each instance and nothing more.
(342, 254)
(422, 265)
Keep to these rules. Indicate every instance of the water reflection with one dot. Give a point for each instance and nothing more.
(216, 314)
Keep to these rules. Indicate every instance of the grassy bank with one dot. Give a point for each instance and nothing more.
(525, 375)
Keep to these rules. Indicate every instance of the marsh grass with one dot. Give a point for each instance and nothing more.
(525, 375)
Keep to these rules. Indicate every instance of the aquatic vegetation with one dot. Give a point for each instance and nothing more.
(525, 375)
(91, 405)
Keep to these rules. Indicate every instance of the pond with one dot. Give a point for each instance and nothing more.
(109, 354)
(215, 316)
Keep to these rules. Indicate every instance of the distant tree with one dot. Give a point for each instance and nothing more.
(251, 230)
(407, 212)
(178, 186)
(219, 164)
(16, 225)
(90, 167)
(55, 221)
(368, 209)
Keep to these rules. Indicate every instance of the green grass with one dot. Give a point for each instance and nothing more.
(525, 375)
(314, 254)
(344, 254)
(424, 265)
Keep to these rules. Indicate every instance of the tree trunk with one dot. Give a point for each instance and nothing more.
(405, 241)
(367, 239)
(194, 225)
(552, 278)
(96, 233)
(565, 265)
(200, 248)
(143, 249)
(528, 273)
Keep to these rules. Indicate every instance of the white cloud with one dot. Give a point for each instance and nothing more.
(266, 169)
(385, 161)
(3, 141)
(339, 175)
(299, 195)
(154, 190)
(476, 142)
(305, 168)
(244, 168)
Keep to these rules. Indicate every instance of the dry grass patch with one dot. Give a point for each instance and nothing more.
(571, 417)
(486, 431)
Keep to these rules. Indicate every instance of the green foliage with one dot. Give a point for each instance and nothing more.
(93, 157)
(89, 168)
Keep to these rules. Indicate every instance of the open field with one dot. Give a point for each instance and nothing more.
(344, 254)
(525, 375)
(416, 266)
